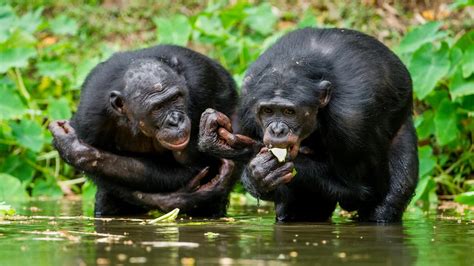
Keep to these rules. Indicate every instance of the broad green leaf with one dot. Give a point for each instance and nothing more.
(29, 134)
(59, 109)
(461, 86)
(308, 20)
(426, 186)
(174, 30)
(11, 105)
(446, 121)
(456, 58)
(466, 41)
(427, 160)
(17, 166)
(425, 125)
(63, 25)
(31, 20)
(47, 188)
(19, 39)
(8, 19)
(427, 67)
(465, 198)
(54, 69)
(88, 190)
(83, 69)
(468, 62)
(11, 189)
(261, 18)
(458, 4)
(211, 26)
(420, 35)
(15, 57)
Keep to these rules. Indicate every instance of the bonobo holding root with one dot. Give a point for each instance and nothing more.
(340, 103)
(136, 127)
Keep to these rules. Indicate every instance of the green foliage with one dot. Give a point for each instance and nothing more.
(441, 67)
(45, 57)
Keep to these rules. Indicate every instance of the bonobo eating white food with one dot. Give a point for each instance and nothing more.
(340, 102)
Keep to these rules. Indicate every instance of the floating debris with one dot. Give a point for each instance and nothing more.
(166, 218)
(166, 244)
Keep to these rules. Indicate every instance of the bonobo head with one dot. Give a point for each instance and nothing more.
(288, 112)
(154, 100)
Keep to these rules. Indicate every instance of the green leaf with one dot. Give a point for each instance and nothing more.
(425, 187)
(419, 36)
(425, 125)
(15, 57)
(54, 69)
(31, 20)
(47, 188)
(465, 198)
(11, 106)
(174, 30)
(308, 20)
(466, 41)
(89, 190)
(468, 62)
(83, 69)
(59, 109)
(29, 134)
(18, 166)
(63, 25)
(261, 18)
(446, 121)
(461, 86)
(211, 26)
(8, 19)
(427, 160)
(11, 189)
(427, 67)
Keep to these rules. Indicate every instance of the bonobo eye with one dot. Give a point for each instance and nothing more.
(175, 98)
(267, 110)
(288, 111)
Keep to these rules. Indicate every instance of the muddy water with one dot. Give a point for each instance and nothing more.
(57, 233)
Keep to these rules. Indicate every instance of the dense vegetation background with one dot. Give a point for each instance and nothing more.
(48, 47)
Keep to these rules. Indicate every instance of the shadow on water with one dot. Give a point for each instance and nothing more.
(56, 233)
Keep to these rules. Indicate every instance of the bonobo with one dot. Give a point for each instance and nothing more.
(340, 103)
(136, 127)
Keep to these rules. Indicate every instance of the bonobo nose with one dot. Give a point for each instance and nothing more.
(174, 119)
(278, 129)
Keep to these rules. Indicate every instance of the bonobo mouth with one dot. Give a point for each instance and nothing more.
(290, 142)
(175, 145)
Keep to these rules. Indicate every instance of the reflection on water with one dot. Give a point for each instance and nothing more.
(250, 238)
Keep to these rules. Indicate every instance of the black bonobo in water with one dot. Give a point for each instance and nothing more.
(338, 103)
(136, 129)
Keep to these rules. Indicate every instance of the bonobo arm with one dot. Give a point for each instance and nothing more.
(216, 137)
(192, 197)
(128, 171)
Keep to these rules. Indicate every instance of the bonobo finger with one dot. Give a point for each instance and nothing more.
(224, 121)
(229, 138)
(196, 181)
(306, 150)
(227, 167)
(281, 175)
(58, 128)
(212, 119)
(244, 140)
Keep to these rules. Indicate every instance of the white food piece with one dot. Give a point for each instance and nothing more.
(279, 153)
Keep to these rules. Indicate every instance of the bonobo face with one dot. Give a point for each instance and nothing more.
(286, 120)
(154, 100)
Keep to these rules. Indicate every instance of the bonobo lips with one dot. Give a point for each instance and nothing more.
(176, 145)
(290, 142)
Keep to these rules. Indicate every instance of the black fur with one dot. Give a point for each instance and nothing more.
(209, 86)
(365, 145)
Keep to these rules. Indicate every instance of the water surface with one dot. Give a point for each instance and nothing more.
(57, 233)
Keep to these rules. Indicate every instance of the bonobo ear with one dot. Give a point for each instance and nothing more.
(116, 101)
(325, 87)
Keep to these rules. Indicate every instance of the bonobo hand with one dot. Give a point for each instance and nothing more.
(70, 148)
(216, 137)
(266, 173)
(193, 194)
